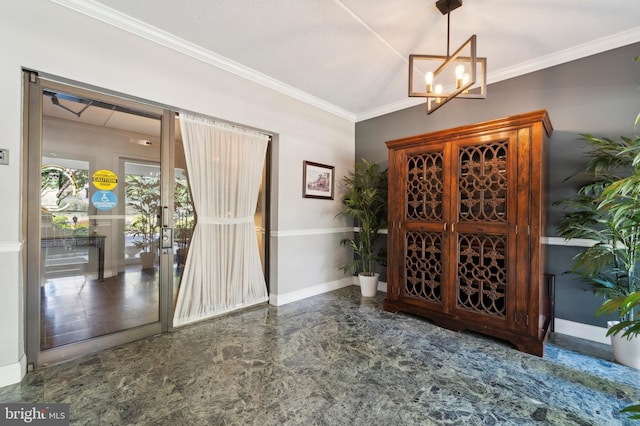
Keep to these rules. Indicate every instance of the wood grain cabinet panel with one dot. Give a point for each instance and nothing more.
(467, 211)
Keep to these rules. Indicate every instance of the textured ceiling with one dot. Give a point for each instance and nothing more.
(350, 56)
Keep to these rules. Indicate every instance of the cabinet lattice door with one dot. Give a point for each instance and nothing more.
(482, 274)
(466, 215)
(424, 250)
(485, 201)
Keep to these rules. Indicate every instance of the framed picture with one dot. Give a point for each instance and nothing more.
(317, 180)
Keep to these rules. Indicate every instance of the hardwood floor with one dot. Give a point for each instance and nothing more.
(75, 308)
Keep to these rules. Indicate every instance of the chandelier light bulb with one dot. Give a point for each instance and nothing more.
(459, 75)
(438, 92)
(428, 78)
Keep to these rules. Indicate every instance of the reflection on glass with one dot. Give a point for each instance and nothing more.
(142, 189)
(99, 194)
(184, 216)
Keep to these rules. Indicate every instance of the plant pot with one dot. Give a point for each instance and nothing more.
(368, 284)
(625, 351)
(147, 260)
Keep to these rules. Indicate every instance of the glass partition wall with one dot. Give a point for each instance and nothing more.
(109, 219)
(98, 191)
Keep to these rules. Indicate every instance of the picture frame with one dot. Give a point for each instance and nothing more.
(317, 180)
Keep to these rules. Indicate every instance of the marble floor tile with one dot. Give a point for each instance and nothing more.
(334, 359)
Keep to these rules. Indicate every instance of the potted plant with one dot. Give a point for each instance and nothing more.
(606, 209)
(628, 329)
(143, 197)
(364, 200)
(615, 203)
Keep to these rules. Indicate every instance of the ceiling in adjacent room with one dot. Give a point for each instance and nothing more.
(350, 56)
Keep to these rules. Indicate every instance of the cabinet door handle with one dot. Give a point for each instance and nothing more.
(453, 227)
(445, 227)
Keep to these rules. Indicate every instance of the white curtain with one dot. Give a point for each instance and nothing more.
(222, 271)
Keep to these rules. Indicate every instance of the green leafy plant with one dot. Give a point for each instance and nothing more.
(365, 201)
(143, 196)
(606, 210)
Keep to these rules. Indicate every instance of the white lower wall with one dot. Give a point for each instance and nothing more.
(306, 259)
(583, 331)
(13, 372)
(303, 293)
(12, 351)
(293, 296)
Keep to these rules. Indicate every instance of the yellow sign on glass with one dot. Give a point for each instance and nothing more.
(105, 180)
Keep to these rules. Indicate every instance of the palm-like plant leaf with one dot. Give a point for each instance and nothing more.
(606, 210)
(364, 201)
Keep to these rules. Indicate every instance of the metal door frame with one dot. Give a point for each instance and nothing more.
(34, 84)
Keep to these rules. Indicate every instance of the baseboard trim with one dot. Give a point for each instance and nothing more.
(293, 296)
(13, 373)
(583, 331)
(283, 299)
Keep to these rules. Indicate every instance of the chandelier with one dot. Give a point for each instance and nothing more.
(442, 78)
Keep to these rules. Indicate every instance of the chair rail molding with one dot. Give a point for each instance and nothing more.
(10, 246)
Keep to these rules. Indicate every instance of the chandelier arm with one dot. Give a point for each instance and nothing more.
(448, 26)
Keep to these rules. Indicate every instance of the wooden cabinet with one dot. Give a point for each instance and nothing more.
(466, 216)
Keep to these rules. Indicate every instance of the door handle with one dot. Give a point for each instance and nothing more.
(165, 216)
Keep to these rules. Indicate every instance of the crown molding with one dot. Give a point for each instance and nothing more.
(614, 41)
(127, 23)
(604, 44)
(132, 25)
(389, 108)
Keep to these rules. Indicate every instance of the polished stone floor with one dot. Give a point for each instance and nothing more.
(334, 359)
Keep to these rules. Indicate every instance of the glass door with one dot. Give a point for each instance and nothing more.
(100, 218)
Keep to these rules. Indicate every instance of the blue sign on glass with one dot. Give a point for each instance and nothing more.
(104, 200)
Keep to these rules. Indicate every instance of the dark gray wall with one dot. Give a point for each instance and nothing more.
(597, 95)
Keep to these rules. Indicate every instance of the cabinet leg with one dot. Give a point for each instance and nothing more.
(389, 307)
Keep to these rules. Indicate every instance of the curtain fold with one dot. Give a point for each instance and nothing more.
(222, 271)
